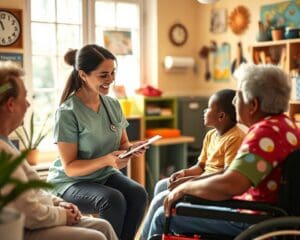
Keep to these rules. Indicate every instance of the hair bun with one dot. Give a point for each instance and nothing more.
(70, 57)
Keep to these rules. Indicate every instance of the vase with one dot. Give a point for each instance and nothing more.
(277, 34)
(11, 224)
(126, 106)
(32, 157)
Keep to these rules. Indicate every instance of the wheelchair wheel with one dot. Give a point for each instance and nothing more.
(273, 229)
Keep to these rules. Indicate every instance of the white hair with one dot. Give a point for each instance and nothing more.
(268, 83)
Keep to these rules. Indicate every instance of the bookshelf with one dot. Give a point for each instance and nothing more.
(282, 53)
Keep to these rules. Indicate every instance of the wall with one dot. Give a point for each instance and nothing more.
(21, 4)
(196, 17)
(160, 15)
(185, 12)
(18, 4)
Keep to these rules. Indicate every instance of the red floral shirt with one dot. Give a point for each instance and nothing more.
(262, 153)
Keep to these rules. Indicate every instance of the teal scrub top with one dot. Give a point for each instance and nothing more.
(90, 130)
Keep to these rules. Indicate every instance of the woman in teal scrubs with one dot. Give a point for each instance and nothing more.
(90, 132)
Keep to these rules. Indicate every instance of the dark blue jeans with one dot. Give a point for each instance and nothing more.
(121, 201)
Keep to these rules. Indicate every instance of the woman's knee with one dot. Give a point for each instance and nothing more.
(140, 195)
(112, 200)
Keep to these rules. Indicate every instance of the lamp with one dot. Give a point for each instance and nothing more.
(207, 1)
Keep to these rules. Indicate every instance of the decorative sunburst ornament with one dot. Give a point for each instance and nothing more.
(239, 19)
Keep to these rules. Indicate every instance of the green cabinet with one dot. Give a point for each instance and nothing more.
(158, 112)
(168, 154)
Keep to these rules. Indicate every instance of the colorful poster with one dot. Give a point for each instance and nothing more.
(221, 63)
(118, 42)
(218, 21)
(15, 57)
(281, 14)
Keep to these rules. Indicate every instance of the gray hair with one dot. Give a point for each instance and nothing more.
(9, 71)
(268, 83)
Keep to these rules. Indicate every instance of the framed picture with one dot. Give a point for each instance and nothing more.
(14, 57)
(118, 42)
(221, 63)
(218, 21)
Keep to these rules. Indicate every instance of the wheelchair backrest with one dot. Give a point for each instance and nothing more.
(289, 189)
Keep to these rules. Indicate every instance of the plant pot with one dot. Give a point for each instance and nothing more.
(277, 34)
(32, 157)
(11, 224)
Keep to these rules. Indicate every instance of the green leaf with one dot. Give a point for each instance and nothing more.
(21, 187)
(20, 137)
(8, 164)
(27, 137)
(31, 129)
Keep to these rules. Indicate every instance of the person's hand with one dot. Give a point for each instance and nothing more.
(117, 162)
(72, 218)
(141, 151)
(179, 181)
(73, 211)
(176, 175)
(172, 197)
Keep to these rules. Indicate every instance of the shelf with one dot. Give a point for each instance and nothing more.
(160, 106)
(281, 53)
(158, 118)
(274, 43)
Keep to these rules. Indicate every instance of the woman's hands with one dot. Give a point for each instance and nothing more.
(141, 151)
(115, 161)
(73, 213)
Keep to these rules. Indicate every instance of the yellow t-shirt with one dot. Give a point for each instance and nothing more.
(219, 151)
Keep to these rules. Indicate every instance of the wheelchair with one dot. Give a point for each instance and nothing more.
(276, 228)
(267, 219)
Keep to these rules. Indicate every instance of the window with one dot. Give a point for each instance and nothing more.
(57, 25)
(122, 17)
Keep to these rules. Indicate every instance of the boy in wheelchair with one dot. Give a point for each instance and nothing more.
(261, 99)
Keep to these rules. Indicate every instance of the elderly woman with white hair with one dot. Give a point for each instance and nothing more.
(47, 217)
(261, 99)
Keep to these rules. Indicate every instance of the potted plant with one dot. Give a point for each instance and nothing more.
(277, 32)
(11, 222)
(31, 140)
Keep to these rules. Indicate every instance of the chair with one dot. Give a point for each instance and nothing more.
(288, 204)
(277, 227)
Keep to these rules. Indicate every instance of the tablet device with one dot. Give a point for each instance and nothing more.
(133, 150)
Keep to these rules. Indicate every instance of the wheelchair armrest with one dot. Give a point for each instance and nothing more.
(192, 206)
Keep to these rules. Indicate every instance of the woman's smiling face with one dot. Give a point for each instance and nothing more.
(100, 79)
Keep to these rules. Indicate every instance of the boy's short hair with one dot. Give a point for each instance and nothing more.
(224, 103)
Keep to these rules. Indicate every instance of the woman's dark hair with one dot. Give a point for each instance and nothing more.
(87, 59)
(224, 102)
(9, 71)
